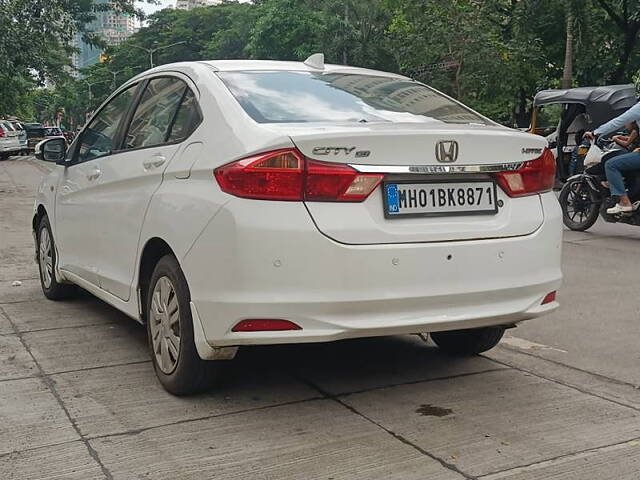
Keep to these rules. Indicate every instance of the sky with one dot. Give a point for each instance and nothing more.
(150, 7)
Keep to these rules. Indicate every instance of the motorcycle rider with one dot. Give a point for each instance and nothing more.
(615, 167)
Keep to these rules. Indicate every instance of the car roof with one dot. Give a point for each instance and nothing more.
(271, 65)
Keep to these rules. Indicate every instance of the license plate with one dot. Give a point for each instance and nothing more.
(442, 198)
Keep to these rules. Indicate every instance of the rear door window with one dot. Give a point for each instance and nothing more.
(187, 118)
(154, 116)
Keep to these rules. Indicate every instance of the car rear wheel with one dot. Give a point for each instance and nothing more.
(46, 253)
(468, 342)
(178, 366)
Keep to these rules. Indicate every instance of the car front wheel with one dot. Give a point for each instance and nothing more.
(178, 366)
(468, 342)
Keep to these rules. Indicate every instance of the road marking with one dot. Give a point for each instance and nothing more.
(522, 344)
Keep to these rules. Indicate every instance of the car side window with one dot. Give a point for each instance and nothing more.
(187, 118)
(98, 138)
(152, 120)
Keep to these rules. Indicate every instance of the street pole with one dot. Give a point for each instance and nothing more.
(346, 22)
(115, 74)
(89, 85)
(151, 51)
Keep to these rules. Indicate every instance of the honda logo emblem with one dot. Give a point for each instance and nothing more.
(447, 151)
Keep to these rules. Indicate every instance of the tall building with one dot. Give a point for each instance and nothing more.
(189, 4)
(113, 27)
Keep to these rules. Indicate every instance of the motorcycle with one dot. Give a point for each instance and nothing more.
(586, 196)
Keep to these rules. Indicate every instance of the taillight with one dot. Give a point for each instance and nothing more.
(277, 175)
(336, 182)
(535, 176)
(287, 175)
(2, 134)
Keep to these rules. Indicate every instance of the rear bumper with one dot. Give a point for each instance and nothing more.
(276, 265)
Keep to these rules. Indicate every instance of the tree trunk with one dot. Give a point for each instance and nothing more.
(567, 75)
(345, 59)
(630, 42)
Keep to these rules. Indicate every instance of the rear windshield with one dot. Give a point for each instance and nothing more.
(293, 97)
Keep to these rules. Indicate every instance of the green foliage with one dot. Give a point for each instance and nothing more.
(491, 54)
(230, 40)
(287, 30)
(36, 45)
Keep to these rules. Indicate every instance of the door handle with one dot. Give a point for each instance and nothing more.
(93, 174)
(154, 162)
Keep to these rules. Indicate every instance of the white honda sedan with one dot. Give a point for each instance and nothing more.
(237, 203)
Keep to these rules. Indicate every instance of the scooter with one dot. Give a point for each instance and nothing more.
(586, 195)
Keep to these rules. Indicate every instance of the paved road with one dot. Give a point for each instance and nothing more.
(558, 399)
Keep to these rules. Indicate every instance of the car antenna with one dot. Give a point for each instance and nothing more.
(315, 61)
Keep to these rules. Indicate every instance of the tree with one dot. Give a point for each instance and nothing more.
(492, 54)
(36, 42)
(625, 15)
(567, 75)
(231, 38)
(287, 30)
(459, 47)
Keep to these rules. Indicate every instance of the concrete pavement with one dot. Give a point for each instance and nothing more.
(558, 399)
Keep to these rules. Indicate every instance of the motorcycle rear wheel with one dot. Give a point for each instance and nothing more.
(580, 205)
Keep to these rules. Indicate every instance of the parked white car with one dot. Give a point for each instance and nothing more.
(22, 136)
(238, 203)
(9, 140)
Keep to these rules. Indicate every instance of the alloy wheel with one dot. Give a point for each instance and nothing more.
(579, 203)
(45, 257)
(164, 325)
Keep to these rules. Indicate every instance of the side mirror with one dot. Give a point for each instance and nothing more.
(52, 150)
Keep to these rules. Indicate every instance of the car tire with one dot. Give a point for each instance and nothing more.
(180, 370)
(47, 257)
(468, 342)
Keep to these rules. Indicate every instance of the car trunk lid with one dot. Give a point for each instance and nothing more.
(407, 154)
